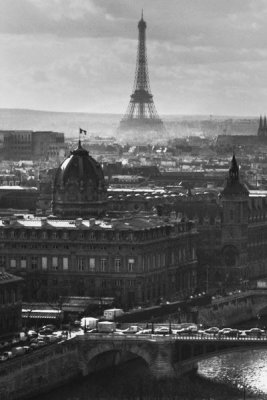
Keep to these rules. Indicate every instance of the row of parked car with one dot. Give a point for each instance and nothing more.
(193, 330)
(253, 332)
(29, 341)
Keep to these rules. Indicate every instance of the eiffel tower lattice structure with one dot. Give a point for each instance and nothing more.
(141, 113)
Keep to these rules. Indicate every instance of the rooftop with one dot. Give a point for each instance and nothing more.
(125, 223)
(5, 277)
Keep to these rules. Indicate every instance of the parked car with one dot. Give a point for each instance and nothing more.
(225, 331)
(162, 330)
(3, 357)
(212, 330)
(51, 338)
(27, 349)
(50, 326)
(45, 331)
(255, 332)
(132, 329)
(232, 333)
(9, 354)
(40, 343)
(144, 332)
(32, 334)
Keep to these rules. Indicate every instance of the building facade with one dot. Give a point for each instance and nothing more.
(136, 260)
(30, 145)
(10, 303)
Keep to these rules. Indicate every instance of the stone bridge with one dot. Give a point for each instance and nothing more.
(169, 355)
(58, 363)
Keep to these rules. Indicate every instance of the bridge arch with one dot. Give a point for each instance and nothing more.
(105, 355)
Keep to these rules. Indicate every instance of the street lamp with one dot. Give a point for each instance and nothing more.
(170, 326)
(207, 276)
(243, 387)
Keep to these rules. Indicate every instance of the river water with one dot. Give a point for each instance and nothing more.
(217, 379)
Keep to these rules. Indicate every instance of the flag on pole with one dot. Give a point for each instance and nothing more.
(82, 131)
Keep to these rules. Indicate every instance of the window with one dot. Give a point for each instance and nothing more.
(92, 264)
(81, 264)
(54, 235)
(13, 263)
(65, 263)
(118, 282)
(117, 264)
(33, 235)
(55, 263)
(44, 235)
(34, 262)
(103, 264)
(131, 262)
(2, 260)
(44, 263)
(23, 262)
(65, 235)
(92, 236)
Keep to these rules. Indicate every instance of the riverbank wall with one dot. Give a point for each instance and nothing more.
(39, 371)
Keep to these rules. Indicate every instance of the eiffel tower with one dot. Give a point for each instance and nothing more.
(141, 114)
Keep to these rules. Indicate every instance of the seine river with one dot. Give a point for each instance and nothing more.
(217, 379)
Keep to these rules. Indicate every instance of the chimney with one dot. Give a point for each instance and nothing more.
(173, 216)
(78, 222)
(43, 221)
(13, 220)
(91, 221)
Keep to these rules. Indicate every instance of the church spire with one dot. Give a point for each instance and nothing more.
(234, 170)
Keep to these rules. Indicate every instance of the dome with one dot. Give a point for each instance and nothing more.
(79, 186)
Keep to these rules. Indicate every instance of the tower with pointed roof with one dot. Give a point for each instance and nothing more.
(141, 114)
(234, 198)
(262, 129)
(79, 187)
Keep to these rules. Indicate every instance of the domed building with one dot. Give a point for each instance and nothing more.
(79, 187)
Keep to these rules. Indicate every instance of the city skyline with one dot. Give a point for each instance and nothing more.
(204, 57)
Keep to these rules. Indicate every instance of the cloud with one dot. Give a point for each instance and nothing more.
(204, 55)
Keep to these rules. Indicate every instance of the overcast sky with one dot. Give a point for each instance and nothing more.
(204, 56)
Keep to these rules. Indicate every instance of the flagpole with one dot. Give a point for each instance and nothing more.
(79, 137)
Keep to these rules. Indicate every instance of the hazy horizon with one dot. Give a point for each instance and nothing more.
(106, 124)
(121, 114)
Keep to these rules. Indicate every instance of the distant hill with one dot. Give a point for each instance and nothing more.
(106, 124)
(66, 122)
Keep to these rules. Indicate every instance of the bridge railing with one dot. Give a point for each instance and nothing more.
(172, 337)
